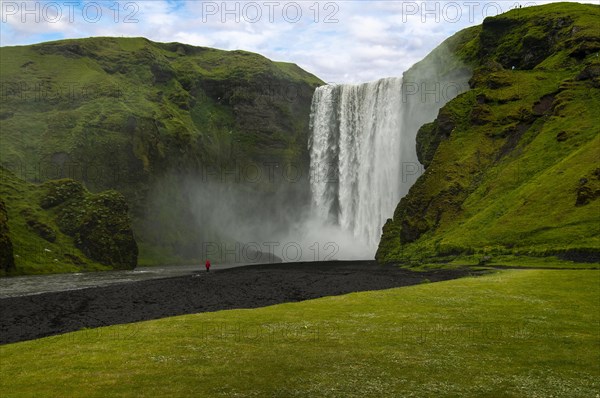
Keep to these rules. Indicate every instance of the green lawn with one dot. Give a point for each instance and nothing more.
(514, 333)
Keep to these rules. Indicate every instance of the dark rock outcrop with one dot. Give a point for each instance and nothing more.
(7, 260)
(99, 223)
(42, 230)
(430, 136)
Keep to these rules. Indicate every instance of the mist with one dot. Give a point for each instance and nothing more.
(248, 221)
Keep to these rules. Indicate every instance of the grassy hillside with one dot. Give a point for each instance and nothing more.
(128, 113)
(511, 334)
(59, 226)
(512, 164)
(145, 105)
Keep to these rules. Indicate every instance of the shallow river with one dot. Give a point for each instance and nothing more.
(35, 284)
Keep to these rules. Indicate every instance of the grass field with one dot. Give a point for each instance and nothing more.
(513, 333)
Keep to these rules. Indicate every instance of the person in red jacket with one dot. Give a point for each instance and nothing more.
(207, 265)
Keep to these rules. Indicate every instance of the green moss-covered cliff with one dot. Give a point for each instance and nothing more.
(511, 164)
(135, 107)
(145, 119)
(59, 226)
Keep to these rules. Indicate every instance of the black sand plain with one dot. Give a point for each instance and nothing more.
(34, 316)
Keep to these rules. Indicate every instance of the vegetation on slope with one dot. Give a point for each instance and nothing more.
(128, 114)
(59, 226)
(512, 164)
(510, 334)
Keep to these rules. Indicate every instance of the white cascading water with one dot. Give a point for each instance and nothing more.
(358, 152)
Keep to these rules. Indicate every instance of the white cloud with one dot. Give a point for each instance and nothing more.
(362, 41)
(193, 39)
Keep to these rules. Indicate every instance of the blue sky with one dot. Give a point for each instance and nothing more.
(339, 41)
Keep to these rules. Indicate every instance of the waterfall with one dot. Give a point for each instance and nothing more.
(362, 145)
(357, 156)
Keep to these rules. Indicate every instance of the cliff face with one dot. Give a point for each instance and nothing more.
(133, 115)
(511, 164)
